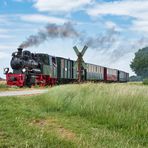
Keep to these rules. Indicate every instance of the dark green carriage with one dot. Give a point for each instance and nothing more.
(65, 70)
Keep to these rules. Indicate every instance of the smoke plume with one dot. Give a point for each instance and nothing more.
(110, 42)
(50, 31)
(103, 41)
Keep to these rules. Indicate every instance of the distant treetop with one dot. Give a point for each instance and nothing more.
(140, 63)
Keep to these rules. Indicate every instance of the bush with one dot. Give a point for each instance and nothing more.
(145, 81)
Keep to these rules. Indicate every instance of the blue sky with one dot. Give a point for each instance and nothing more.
(118, 28)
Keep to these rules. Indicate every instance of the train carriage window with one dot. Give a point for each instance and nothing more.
(49, 60)
(87, 67)
(54, 61)
(62, 63)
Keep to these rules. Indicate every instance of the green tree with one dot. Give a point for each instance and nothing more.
(140, 63)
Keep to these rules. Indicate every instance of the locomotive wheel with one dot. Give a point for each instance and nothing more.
(43, 83)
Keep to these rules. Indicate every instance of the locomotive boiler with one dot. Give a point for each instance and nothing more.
(25, 62)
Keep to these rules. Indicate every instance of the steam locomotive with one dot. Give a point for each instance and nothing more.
(43, 69)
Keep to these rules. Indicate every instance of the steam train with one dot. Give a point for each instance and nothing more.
(43, 69)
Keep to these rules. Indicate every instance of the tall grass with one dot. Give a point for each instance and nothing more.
(120, 107)
(99, 115)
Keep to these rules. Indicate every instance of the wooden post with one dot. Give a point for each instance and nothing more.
(80, 61)
(79, 70)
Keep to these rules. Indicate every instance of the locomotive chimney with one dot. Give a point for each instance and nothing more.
(19, 51)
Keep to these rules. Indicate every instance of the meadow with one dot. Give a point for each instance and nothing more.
(86, 115)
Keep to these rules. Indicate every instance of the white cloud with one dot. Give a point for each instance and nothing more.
(135, 9)
(140, 26)
(32, 18)
(60, 5)
(110, 24)
(38, 18)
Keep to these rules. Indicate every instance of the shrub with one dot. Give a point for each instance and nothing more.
(145, 81)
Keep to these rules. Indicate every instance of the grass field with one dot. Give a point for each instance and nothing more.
(86, 115)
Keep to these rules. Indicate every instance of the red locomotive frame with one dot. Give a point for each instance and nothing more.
(20, 80)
